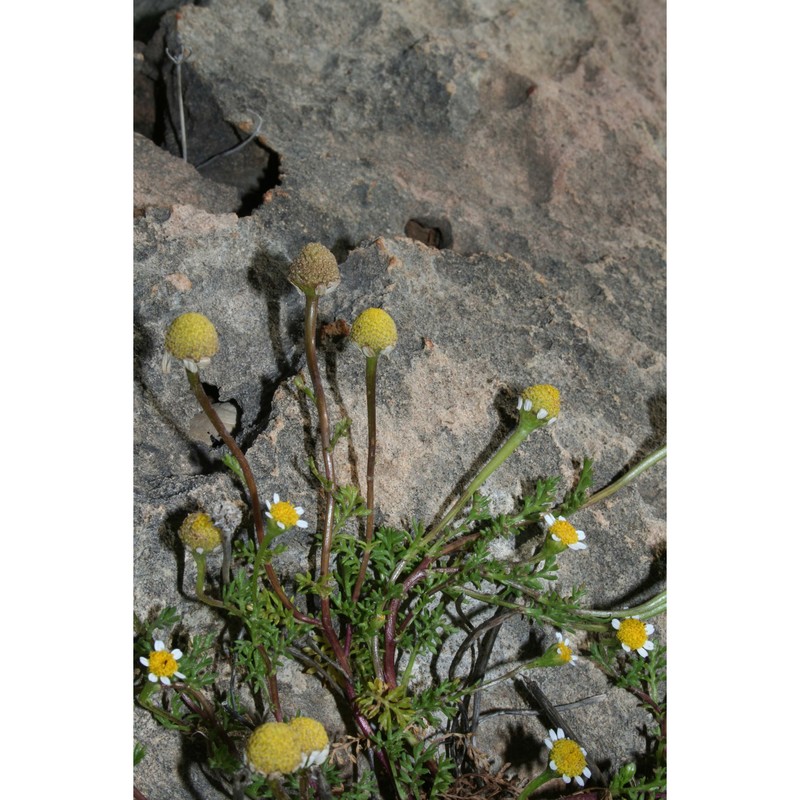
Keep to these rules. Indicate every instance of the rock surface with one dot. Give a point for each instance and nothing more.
(531, 136)
(160, 182)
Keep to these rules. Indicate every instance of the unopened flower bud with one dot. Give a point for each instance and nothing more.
(315, 271)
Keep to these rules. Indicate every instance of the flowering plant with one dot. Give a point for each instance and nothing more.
(379, 602)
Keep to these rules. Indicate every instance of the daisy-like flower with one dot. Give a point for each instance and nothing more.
(564, 650)
(564, 532)
(633, 634)
(162, 664)
(567, 758)
(285, 515)
(542, 402)
(192, 339)
(557, 655)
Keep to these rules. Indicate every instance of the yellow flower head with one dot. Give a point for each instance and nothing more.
(284, 514)
(542, 400)
(199, 533)
(565, 533)
(273, 749)
(374, 332)
(567, 758)
(564, 650)
(557, 655)
(312, 740)
(315, 271)
(633, 634)
(162, 665)
(192, 339)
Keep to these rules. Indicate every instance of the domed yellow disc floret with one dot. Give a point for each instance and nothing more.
(374, 332)
(312, 740)
(192, 338)
(284, 513)
(315, 271)
(568, 758)
(564, 652)
(272, 749)
(199, 533)
(564, 531)
(163, 663)
(632, 633)
(542, 400)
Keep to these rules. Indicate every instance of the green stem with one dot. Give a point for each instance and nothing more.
(650, 608)
(258, 562)
(250, 481)
(412, 657)
(163, 716)
(629, 476)
(200, 583)
(546, 776)
(519, 435)
(372, 444)
(481, 685)
(491, 599)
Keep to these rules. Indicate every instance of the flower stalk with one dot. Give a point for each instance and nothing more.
(631, 475)
(372, 443)
(200, 584)
(599, 620)
(250, 481)
(178, 60)
(312, 362)
(547, 776)
(518, 436)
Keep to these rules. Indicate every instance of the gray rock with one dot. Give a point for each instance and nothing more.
(161, 180)
(533, 128)
(551, 201)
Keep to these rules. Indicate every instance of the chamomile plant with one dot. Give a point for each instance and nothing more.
(378, 601)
